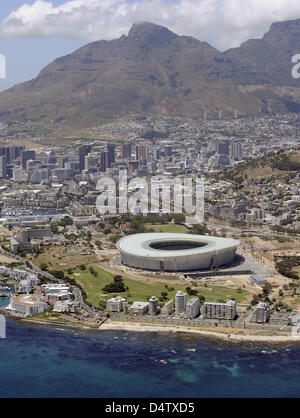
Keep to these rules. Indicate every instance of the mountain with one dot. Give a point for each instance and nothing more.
(263, 67)
(153, 71)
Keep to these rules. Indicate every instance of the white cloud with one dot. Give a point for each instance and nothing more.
(224, 23)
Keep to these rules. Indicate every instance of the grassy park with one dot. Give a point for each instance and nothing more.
(71, 262)
(180, 229)
(143, 290)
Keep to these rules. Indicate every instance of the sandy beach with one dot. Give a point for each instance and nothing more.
(140, 327)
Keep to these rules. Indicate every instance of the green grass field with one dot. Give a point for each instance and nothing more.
(180, 229)
(142, 290)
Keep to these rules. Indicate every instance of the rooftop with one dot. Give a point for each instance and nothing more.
(171, 244)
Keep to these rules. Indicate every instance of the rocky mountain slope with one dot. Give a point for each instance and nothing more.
(153, 71)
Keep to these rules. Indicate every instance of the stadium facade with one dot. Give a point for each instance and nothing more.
(176, 252)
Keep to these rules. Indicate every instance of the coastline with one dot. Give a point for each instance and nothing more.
(112, 325)
(225, 336)
(49, 322)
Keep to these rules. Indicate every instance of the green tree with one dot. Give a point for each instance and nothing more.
(164, 295)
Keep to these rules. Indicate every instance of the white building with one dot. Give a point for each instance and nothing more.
(153, 305)
(180, 302)
(261, 313)
(168, 308)
(25, 286)
(28, 304)
(216, 310)
(117, 304)
(139, 308)
(193, 308)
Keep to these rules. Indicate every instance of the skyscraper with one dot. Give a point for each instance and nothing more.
(15, 152)
(5, 151)
(91, 161)
(236, 151)
(141, 152)
(104, 157)
(3, 166)
(27, 155)
(111, 149)
(223, 147)
(126, 151)
(83, 151)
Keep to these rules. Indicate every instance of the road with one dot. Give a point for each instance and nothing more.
(76, 291)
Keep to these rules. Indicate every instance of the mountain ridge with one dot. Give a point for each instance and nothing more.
(154, 71)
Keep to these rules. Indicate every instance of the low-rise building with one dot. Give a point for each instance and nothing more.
(56, 293)
(168, 308)
(63, 307)
(153, 305)
(59, 296)
(193, 308)
(215, 310)
(261, 313)
(25, 286)
(139, 308)
(54, 288)
(117, 304)
(28, 304)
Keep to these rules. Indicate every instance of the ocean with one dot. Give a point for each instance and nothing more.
(39, 361)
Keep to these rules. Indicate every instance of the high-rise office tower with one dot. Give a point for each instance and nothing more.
(236, 150)
(111, 149)
(104, 157)
(83, 151)
(3, 167)
(6, 152)
(91, 161)
(61, 160)
(223, 147)
(27, 155)
(141, 152)
(126, 151)
(15, 152)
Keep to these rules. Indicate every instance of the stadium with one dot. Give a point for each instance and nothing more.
(175, 252)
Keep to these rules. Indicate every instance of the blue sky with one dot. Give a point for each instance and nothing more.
(25, 57)
(38, 31)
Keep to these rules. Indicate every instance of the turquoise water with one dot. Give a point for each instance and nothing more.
(38, 361)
